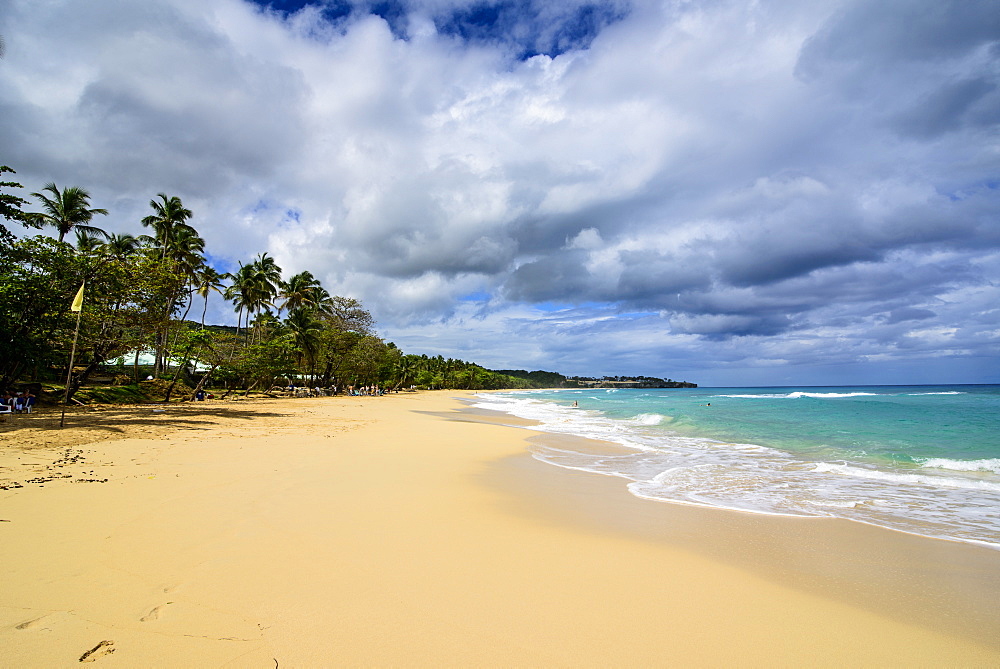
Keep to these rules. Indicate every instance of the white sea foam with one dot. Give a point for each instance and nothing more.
(650, 419)
(800, 394)
(903, 477)
(946, 392)
(944, 498)
(845, 504)
(984, 465)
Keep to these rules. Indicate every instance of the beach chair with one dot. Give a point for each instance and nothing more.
(5, 408)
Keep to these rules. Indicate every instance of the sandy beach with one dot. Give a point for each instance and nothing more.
(410, 531)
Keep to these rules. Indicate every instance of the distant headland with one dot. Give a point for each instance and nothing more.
(544, 379)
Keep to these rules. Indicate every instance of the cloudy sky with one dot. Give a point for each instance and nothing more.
(728, 192)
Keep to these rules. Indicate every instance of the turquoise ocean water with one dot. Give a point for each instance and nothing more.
(921, 459)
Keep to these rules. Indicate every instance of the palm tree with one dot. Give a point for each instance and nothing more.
(184, 250)
(404, 370)
(121, 246)
(264, 277)
(67, 210)
(208, 280)
(238, 290)
(178, 245)
(170, 216)
(324, 303)
(304, 330)
(87, 244)
(267, 275)
(184, 254)
(265, 322)
(301, 291)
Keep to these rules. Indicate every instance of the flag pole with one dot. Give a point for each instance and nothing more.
(78, 308)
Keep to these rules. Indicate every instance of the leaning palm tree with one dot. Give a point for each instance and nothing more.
(67, 210)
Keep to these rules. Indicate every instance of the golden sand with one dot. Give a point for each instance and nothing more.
(396, 532)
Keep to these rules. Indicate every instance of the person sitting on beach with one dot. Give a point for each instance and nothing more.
(19, 402)
(29, 401)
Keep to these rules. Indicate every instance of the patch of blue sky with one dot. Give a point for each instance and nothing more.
(478, 296)
(975, 188)
(553, 307)
(282, 6)
(260, 206)
(220, 264)
(290, 216)
(520, 26)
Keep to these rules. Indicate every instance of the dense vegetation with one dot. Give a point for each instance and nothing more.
(141, 290)
(625, 382)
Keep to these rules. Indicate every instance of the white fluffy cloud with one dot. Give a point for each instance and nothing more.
(727, 192)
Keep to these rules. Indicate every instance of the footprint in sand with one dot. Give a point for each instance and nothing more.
(104, 648)
(28, 624)
(153, 614)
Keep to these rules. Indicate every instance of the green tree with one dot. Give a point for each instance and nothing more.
(261, 285)
(179, 248)
(67, 210)
(119, 310)
(304, 332)
(11, 208)
(208, 280)
(168, 219)
(301, 291)
(121, 246)
(237, 291)
(88, 244)
(38, 278)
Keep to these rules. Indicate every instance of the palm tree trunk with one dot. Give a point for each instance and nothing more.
(201, 383)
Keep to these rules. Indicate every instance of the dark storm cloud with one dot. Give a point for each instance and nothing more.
(972, 103)
(891, 32)
(909, 314)
(931, 64)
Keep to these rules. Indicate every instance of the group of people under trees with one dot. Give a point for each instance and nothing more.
(359, 391)
(20, 401)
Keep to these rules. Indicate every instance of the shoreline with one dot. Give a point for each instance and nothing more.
(407, 531)
(775, 456)
(961, 580)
